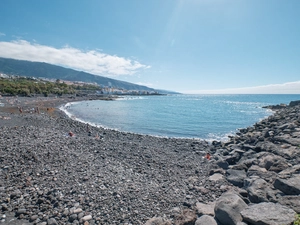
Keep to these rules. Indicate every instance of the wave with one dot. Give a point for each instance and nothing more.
(130, 98)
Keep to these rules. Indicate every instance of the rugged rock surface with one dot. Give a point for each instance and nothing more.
(268, 213)
(228, 208)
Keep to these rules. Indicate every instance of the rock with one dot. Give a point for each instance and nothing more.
(87, 218)
(294, 103)
(260, 191)
(228, 208)
(268, 213)
(291, 201)
(33, 218)
(289, 186)
(202, 190)
(216, 177)
(79, 210)
(16, 194)
(205, 209)
(206, 220)
(223, 164)
(289, 171)
(187, 217)
(157, 221)
(21, 211)
(52, 221)
(236, 177)
(273, 162)
(42, 223)
(72, 217)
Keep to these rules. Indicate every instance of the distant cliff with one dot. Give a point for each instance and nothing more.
(45, 70)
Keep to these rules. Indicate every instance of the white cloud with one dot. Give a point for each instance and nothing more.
(2, 34)
(93, 61)
(285, 88)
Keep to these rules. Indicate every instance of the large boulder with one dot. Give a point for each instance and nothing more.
(289, 186)
(273, 162)
(236, 177)
(290, 171)
(260, 191)
(268, 213)
(228, 208)
(291, 201)
(294, 103)
(206, 220)
(205, 209)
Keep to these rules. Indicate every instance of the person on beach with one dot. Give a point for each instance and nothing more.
(71, 134)
(207, 156)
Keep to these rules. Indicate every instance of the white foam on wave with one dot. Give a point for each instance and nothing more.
(127, 98)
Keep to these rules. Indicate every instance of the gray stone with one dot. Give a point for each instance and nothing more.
(223, 164)
(206, 220)
(87, 218)
(236, 177)
(289, 186)
(21, 211)
(157, 221)
(228, 208)
(291, 201)
(260, 191)
(33, 218)
(186, 217)
(52, 221)
(216, 177)
(294, 103)
(72, 217)
(79, 210)
(268, 213)
(205, 209)
(290, 171)
(273, 162)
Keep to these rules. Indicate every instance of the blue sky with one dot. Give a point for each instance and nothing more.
(190, 46)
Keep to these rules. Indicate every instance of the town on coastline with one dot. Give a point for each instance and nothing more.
(30, 86)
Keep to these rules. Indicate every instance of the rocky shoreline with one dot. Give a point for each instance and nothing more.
(101, 176)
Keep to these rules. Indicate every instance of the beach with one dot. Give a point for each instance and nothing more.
(116, 177)
(55, 170)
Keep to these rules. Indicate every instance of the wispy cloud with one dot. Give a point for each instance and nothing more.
(93, 61)
(285, 88)
(2, 34)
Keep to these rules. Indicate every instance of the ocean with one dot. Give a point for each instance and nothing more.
(208, 117)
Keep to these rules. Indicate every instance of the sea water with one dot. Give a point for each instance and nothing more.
(209, 117)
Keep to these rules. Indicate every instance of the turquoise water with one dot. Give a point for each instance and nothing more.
(209, 117)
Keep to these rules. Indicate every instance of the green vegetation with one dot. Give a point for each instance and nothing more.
(297, 221)
(28, 86)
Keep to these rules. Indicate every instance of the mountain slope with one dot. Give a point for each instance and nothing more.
(45, 70)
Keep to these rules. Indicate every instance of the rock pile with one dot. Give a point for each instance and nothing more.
(263, 163)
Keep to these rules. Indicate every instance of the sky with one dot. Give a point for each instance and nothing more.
(189, 46)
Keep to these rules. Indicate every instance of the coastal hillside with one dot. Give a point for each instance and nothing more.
(49, 71)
